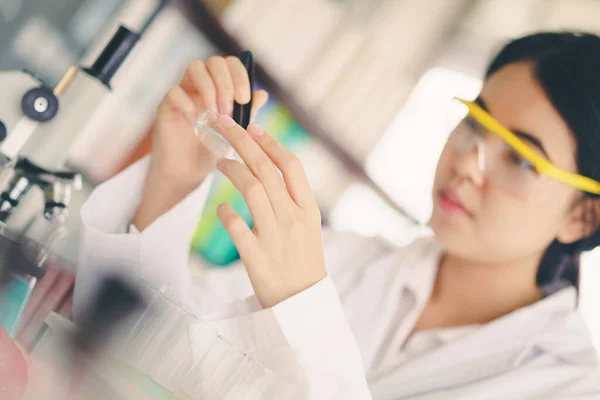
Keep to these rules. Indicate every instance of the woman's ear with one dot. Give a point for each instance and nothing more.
(582, 221)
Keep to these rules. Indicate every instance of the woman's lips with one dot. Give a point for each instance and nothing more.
(450, 203)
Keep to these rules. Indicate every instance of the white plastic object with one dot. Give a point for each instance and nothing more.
(163, 352)
(183, 354)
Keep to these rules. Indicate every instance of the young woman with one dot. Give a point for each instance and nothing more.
(487, 309)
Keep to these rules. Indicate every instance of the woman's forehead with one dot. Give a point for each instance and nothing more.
(514, 97)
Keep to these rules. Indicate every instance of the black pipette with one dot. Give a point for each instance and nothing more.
(242, 112)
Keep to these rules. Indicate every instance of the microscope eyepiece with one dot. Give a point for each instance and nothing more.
(113, 56)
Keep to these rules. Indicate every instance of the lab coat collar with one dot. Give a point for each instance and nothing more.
(421, 275)
(497, 347)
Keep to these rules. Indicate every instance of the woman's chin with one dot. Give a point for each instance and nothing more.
(453, 238)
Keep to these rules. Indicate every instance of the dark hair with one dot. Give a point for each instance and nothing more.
(567, 66)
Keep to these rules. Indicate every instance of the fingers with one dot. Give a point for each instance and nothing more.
(178, 102)
(257, 161)
(243, 238)
(259, 99)
(288, 163)
(241, 81)
(198, 82)
(217, 84)
(252, 190)
(218, 69)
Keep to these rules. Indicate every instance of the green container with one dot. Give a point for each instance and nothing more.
(13, 300)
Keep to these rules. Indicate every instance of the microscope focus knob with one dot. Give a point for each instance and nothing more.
(56, 212)
(3, 131)
(40, 104)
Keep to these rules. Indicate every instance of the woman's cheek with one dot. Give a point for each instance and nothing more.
(443, 170)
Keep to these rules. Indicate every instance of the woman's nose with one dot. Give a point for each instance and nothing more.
(470, 164)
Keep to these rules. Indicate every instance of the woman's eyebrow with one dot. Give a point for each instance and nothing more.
(531, 139)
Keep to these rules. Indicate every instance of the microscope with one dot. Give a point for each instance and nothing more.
(38, 125)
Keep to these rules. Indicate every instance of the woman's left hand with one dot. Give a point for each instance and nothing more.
(283, 254)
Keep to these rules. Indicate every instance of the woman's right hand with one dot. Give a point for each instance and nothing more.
(180, 162)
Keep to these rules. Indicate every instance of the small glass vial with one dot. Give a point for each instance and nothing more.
(206, 131)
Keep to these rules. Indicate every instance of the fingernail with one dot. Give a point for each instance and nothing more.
(220, 162)
(226, 108)
(255, 130)
(243, 97)
(213, 107)
(225, 121)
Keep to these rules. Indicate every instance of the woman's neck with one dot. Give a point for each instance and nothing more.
(479, 293)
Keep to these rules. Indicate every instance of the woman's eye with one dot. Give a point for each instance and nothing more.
(474, 125)
(515, 159)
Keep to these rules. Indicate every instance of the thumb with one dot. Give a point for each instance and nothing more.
(259, 99)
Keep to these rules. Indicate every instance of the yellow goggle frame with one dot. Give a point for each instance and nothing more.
(542, 165)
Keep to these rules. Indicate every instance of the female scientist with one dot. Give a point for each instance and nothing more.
(487, 309)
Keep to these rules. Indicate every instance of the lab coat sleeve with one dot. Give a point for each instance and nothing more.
(305, 340)
(158, 255)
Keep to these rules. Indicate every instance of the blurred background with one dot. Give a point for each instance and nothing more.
(355, 86)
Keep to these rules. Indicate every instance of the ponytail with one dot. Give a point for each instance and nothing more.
(559, 268)
(560, 265)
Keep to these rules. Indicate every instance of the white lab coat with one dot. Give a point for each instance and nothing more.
(330, 340)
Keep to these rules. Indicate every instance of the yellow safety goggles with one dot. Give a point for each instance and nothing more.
(504, 173)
